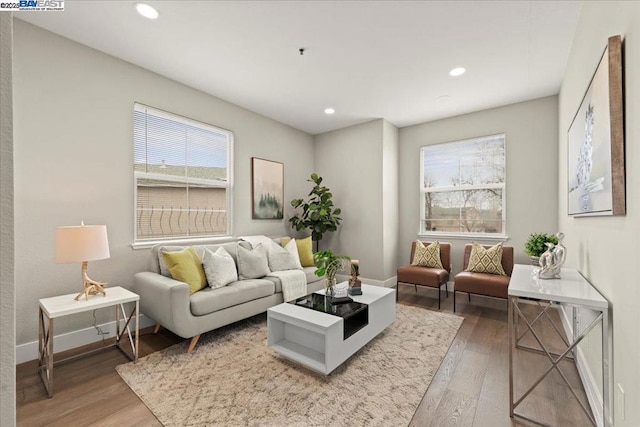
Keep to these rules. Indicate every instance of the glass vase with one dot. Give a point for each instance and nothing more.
(330, 284)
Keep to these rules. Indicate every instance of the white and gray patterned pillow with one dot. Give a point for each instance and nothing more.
(286, 258)
(252, 264)
(219, 267)
(427, 256)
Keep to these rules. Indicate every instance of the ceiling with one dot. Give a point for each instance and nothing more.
(367, 59)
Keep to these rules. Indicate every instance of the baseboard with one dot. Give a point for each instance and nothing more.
(389, 283)
(588, 381)
(29, 351)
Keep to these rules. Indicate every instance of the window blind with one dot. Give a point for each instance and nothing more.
(182, 179)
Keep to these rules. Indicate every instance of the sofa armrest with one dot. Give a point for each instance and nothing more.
(166, 301)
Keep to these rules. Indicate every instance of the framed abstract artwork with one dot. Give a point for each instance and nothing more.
(267, 189)
(596, 181)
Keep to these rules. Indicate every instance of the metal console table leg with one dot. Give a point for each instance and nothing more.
(515, 313)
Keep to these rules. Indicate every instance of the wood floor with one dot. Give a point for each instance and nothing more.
(471, 387)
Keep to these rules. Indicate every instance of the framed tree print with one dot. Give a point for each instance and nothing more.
(267, 189)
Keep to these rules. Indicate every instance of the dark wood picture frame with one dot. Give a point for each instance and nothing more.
(267, 189)
(596, 167)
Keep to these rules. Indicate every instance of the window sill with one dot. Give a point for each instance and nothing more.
(465, 236)
(146, 244)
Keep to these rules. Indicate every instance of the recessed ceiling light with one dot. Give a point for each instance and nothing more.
(443, 98)
(458, 71)
(329, 110)
(147, 10)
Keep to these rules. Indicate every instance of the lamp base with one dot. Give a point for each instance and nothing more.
(91, 287)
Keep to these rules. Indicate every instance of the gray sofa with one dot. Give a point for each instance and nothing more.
(168, 303)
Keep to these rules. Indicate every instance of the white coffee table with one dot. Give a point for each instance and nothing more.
(315, 338)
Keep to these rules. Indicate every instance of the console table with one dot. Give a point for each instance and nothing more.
(573, 291)
(64, 305)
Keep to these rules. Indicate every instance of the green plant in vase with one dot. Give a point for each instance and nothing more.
(327, 265)
(536, 245)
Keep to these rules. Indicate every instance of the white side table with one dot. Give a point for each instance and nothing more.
(64, 305)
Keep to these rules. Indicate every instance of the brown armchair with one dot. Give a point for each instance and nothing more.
(426, 276)
(486, 284)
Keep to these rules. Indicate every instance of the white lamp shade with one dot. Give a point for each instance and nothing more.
(81, 243)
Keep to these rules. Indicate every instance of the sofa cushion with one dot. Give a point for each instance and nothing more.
(310, 273)
(252, 264)
(186, 266)
(427, 256)
(305, 250)
(276, 283)
(219, 267)
(482, 283)
(210, 300)
(484, 260)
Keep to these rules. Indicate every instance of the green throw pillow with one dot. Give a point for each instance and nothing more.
(427, 256)
(484, 260)
(186, 266)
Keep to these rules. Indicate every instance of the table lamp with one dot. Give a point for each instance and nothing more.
(83, 243)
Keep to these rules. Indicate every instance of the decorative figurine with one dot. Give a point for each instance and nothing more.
(355, 285)
(552, 260)
(560, 251)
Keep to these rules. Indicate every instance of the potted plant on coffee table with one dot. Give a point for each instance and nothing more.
(328, 264)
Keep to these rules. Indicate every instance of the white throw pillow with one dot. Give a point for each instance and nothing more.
(292, 248)
(219, 267)
(281, 259)
(252, 264)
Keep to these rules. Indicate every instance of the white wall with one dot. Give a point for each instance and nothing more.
(73, 161)
(7, 278)
(531, 132)
(350, 161)
(605, 249)
(390, 207)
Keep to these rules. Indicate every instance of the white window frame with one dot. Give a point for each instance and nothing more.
(422, 233)
(142, 243)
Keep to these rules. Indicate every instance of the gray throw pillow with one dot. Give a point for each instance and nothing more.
(219, 267)
(286, 258)
(252, 264)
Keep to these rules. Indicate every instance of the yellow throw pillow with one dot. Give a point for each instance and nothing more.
(304, 250)
(427, 256)
(186, 266)
(484, 260)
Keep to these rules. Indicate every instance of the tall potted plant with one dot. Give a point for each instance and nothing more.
(318, 212)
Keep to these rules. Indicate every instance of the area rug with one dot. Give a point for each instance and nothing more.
(234, 379)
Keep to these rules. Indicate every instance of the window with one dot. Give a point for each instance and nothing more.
(462, 187)
(182, 176)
